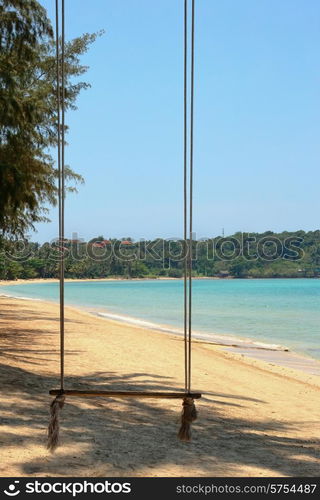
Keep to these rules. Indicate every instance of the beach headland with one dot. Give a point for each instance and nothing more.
(255, 418)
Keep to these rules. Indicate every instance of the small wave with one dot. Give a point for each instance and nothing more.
(214, 338)
(138, 322)
(20, 297)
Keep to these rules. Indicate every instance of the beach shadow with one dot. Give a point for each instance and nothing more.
(23, 314)
(25, 344)
(121, 437)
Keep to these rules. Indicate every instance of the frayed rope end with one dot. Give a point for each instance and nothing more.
(54, 424)
(189, 415)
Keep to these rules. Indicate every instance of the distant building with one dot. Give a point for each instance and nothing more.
(101, 244)
(73, 242)
(223, 274)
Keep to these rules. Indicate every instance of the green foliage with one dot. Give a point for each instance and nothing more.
(267, 255)
(28, 117)
(14, 270)
(240, 267)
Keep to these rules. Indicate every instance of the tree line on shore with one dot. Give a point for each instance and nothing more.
(263, 255)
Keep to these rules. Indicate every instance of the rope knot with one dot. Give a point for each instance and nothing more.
(54, 424)
(189, 415)
(60, 399)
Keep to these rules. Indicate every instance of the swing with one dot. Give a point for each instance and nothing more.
(189, 413)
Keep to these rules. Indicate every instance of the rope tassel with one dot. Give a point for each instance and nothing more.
(189, 415)
(54, 424)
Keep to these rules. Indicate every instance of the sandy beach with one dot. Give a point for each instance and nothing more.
(255, 418)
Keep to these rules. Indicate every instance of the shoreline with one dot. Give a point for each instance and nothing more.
(273, 354)
(157, 278)
(277, 355)
(94, 280)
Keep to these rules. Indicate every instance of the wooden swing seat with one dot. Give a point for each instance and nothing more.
(126, 394)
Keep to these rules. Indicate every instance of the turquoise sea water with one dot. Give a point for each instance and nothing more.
(275, 311)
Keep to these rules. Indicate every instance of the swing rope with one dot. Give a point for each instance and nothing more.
(62, 193)
(185, 194)
(58, 403)
(189, 413)
(191, 195)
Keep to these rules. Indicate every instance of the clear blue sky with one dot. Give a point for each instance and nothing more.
(257, 118)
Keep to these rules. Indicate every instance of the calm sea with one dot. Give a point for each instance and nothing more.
(276, 312)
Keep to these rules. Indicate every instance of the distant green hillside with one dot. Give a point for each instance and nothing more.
(242, 255)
